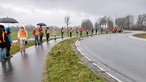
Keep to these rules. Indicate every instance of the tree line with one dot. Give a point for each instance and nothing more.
(128, 22)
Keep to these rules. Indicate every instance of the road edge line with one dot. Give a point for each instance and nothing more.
(110, 75)
(136, 38)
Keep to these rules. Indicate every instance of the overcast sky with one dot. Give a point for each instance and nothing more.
(52, 12)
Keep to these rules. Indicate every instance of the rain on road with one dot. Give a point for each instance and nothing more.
(121, 56)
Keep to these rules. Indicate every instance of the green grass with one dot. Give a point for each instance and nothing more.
(15, 35)
(62, 65)
(141, 35)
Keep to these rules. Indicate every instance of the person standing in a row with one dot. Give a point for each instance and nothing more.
(36, 35)
(47, 31)
(41, 34)
(3, 43)
(22, 36)
(92, 31)
(8, 33)
(77, 31)
(81, 31)
(62, 33)
(87, 32)
(71, 32)
(55, 34)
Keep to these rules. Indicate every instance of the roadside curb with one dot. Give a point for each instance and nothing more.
(136, 38)
(94, 67)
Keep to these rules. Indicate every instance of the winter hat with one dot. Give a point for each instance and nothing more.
(8, 29)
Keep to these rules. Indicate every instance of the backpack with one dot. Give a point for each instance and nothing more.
(2, 38)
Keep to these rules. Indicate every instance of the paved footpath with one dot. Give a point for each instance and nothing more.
(26, 67)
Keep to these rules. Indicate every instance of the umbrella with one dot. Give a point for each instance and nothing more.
(8, 20)
(41, 24)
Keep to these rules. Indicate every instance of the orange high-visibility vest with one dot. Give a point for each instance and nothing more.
(71, 30)
(55, 31)
(113, 29)
(80, 29)
(86, 30)
(47, 31)
(36, 32)
(22, 33)
(41, 29)
(62, 30)
(122, 29)
(77, 30)
(3, 37)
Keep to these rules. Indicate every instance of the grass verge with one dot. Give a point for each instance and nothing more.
(63, 65)
(141, 35)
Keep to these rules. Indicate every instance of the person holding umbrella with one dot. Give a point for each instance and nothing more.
(3, 43)
(8, 33)
(41, 31)
(22, 36)
(41, 34)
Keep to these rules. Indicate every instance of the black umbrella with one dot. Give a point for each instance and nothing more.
(8, 20)
(41, 24)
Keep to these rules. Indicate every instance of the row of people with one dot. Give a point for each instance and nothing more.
(38, 33)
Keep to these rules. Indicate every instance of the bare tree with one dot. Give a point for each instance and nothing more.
(86, 23)
(120, 22)
(102, 21)
(126, 22)
(141, 21)
(67, 22)
(110, 23)
(129, 19)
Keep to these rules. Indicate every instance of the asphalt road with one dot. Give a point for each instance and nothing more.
(118, 54)
(26, 67)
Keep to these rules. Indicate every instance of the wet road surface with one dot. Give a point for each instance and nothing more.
(26, 67)
(119, 55)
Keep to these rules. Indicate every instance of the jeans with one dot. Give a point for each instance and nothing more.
(8, 51)
(41, 37)
(3, 53)
(70, 34)
(36, 40)
(22, 45)
(80, 33)
(62, 35)
(47, 37)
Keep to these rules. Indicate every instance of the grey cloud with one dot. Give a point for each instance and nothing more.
(89, 7)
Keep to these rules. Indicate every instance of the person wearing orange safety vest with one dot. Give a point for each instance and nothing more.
(113, 30)
(41, 34)
(92, 31)
(22, 36)
(55, 33)
(62, 32)
(71, 32)
(47, 31)
(77, 31)
(81, 31)
(3, 44)
(122, 29)
(36, 35)
(87, 32)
